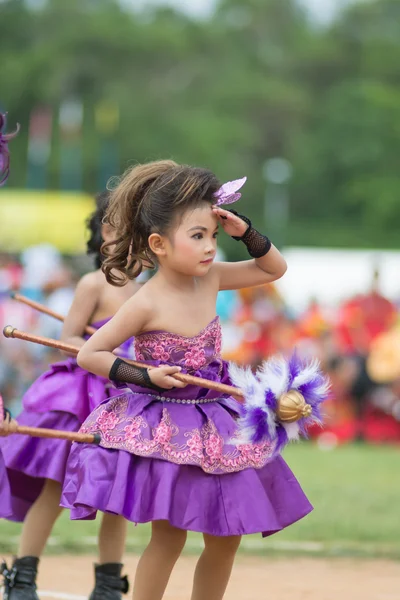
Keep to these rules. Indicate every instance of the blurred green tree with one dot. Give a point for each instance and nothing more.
(259, 79)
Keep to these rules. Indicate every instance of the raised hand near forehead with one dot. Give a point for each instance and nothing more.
(240, 229)
(231, 223)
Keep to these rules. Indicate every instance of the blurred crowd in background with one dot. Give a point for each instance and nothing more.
(301, 96)
(257, 323)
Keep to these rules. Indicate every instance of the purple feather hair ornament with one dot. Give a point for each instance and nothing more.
(4, 152)
(228, 193)
(282, 399)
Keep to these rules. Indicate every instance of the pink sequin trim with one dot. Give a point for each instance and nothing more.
(203, 447)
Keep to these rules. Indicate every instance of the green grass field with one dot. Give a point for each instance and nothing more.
(355, 491)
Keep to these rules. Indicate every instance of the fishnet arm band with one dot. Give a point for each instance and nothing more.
(257, 244)
(123, 371)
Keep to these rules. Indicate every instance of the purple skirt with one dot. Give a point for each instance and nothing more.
(61, 398)
(174, 458)
(65, 387)
(30, 461)
(146, 489)
(5, 494)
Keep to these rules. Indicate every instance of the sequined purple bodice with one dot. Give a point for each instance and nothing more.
(192, 353)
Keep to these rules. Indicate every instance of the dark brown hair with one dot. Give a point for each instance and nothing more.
(94, 225)
(148, 199)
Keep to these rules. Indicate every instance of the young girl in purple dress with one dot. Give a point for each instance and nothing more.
(166, 454)
(62, 398)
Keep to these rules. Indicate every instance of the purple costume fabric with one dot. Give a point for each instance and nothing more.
(5, 494)
(172, 457)
(61, 398)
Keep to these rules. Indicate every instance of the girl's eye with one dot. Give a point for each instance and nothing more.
(200, 236)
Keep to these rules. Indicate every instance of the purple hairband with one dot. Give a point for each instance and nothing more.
(228, 193)
(4, 153)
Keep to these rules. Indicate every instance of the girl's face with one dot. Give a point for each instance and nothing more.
(191, 247)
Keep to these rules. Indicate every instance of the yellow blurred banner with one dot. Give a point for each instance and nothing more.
(36, 217)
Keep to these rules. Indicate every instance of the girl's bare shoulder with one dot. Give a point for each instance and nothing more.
(91, 282)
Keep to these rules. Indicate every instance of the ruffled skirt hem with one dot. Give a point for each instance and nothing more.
(141, 490)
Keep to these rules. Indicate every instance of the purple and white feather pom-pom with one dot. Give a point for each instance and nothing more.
(279, 380)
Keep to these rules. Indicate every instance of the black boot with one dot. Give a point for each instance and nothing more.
(109, 585)
(20, 580)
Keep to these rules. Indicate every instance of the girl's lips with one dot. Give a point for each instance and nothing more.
(205, 262)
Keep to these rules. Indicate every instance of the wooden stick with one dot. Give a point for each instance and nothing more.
(71, 436)
(47, 311)
(11, 332)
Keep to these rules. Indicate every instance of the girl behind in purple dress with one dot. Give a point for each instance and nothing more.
(166, 453)
(62, 398)
(7, 426)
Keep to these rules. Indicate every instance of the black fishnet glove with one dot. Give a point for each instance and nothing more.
(257, 244)
(123, 371)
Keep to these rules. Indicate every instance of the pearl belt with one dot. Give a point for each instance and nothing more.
(178, 400)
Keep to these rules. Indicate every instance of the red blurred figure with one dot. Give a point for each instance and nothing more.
(363, 318)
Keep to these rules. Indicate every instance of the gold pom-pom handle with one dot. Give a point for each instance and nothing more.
(292, 407)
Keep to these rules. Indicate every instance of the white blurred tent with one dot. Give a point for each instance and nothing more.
(330, 275)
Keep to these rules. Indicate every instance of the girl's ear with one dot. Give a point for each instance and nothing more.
(157, 245)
